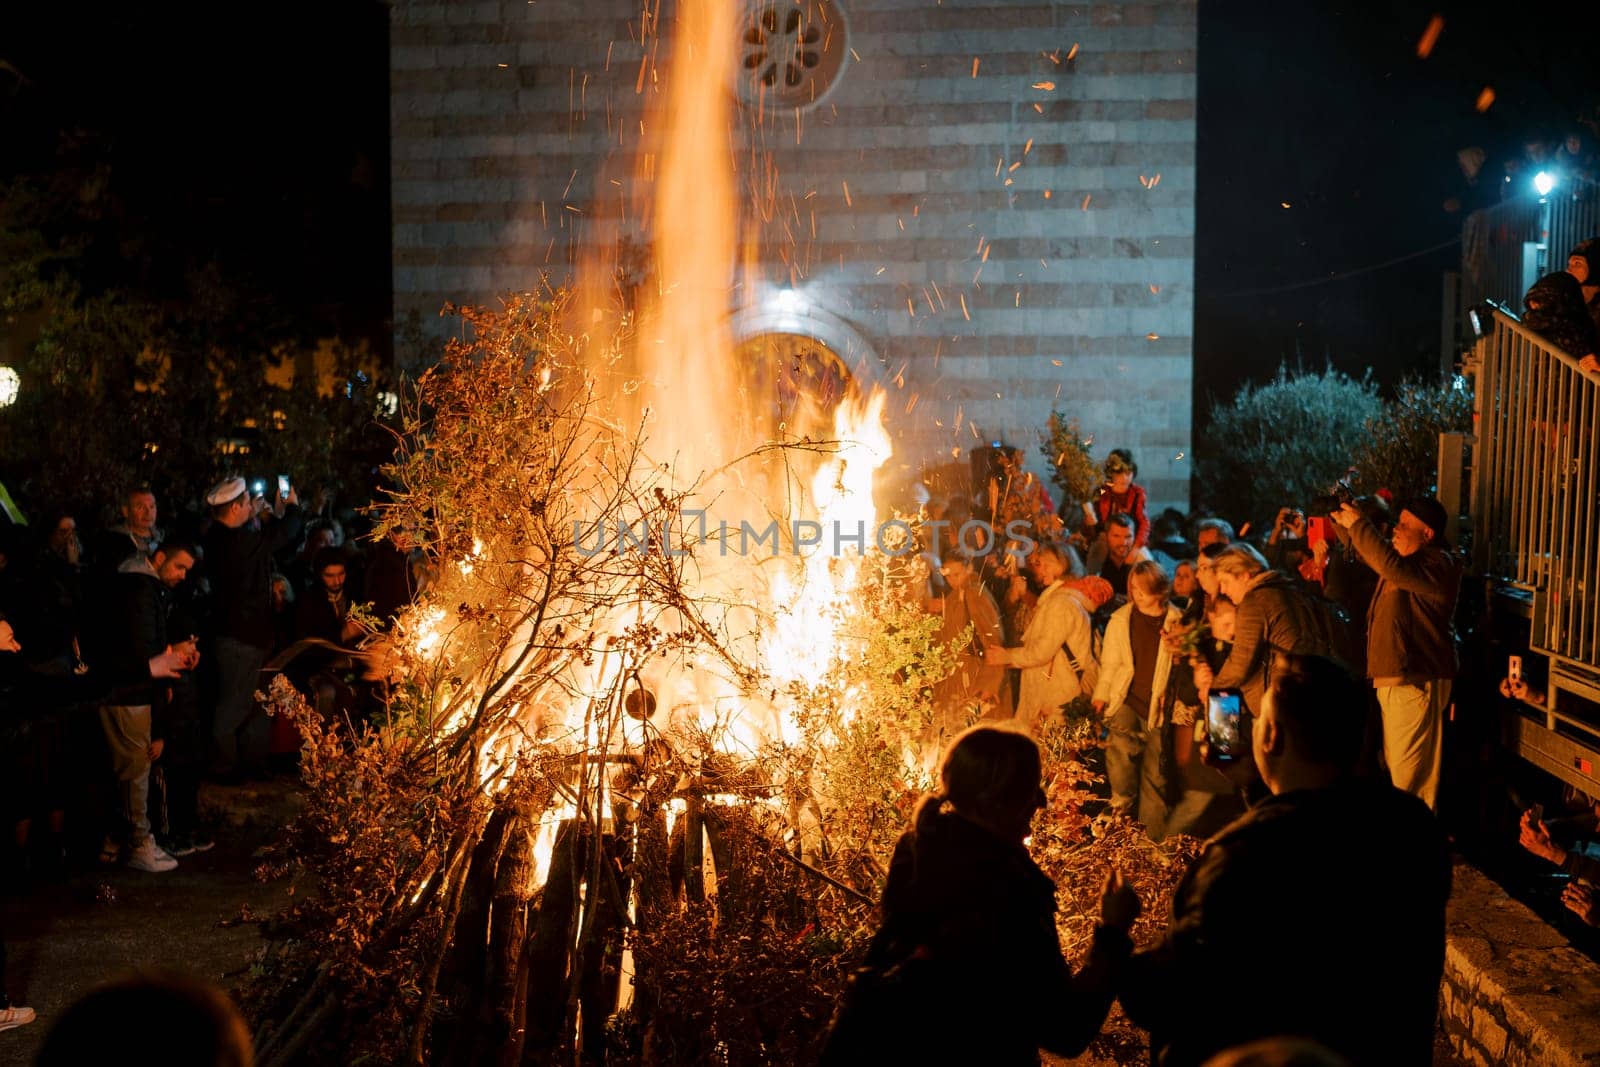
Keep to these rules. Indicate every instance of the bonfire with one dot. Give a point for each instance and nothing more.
(651, 729)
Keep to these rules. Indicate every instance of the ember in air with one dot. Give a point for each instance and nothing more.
(801, 537)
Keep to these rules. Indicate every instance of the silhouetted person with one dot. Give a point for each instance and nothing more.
(969, 910)
(197, 1026)
(1318, 913)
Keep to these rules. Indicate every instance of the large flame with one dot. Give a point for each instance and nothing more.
(701, 419)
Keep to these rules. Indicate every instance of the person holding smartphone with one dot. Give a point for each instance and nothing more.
(1319, 913)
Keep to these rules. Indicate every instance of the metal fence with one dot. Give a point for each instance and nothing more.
(1536, 520)
(1494, 240)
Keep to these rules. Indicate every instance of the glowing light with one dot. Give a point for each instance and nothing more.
(1543, 182)
(10, 386)
(388, 404)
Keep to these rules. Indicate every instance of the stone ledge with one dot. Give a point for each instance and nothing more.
(1514, 991)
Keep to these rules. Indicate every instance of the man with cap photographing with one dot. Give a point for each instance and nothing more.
(238, 556)
(1411, 649)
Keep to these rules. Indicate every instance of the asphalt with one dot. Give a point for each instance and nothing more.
(202, 919)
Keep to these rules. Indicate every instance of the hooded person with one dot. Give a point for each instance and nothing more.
(1583, 263)
(1556, 311)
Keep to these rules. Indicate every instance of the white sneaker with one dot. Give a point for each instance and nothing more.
(11, 1018)
(150, 856)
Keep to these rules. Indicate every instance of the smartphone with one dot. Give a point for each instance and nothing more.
(1537, 811)
(1223, 735)
(258, 487)
(283, 485)
(1514, 669)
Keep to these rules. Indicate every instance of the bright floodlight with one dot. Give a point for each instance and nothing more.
(10, 385)
(1544, 181)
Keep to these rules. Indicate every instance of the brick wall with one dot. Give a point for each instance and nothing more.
(507, 120)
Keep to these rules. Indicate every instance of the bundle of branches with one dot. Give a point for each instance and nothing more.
(488, 848)
(530, 858)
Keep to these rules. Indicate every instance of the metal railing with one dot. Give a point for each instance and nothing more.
(1536, 502)
(1493, 240)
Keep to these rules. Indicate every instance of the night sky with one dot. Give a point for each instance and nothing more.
(256, 136)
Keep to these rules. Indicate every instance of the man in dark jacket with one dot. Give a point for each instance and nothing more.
(239, 562)
(132, 715)
(1411, 646)
(1319, 913)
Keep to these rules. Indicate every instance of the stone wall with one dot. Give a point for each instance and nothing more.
(998, 197)
(1515, 992)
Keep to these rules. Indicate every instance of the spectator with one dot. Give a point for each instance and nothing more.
(973, 682)
(1206, 798)
(136, 535)
(1274, 618)
(1057, 654)
(134, 716)
(1130, 694)
(1119, 496)
(1270, 908)
(200, 1025)
(239, 560)
(1579, 895)
(301, 570)
(970, 917)
(11, 1015)
(1184, 584)
(1212, 531)
(1582, 266)
(1411, 650)
(1555, 310)
(1166, 535)
(52, 620)
(392, 577)
(1115, 553)
(323, 614)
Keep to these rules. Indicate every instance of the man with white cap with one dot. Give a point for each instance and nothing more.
(238, 556)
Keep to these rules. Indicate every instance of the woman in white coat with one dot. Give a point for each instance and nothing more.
(1057, 653)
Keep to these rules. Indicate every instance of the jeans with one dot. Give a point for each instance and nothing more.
(1133, 767)
(240, 729)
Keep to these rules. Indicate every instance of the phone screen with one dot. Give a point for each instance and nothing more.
(283, 485)
(1222, 725)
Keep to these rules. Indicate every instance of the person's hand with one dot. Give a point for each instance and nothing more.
(1319, 553)
(1580, 899)
(1589, 363)
(1119, 904)
(1535, 837)
(168, 664)
(1099, 707)
(8, 638)
(352, 630)
(1347, 515)
(994, 656)
(1296, 524)
(291, 497)
(188, 652)
(936, 605)
(156, 748)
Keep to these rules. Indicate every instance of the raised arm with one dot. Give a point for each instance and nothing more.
(1424, 573)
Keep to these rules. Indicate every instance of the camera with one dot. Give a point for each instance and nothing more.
(1335, 498)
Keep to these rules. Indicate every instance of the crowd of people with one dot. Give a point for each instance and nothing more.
(130, 658)
(1126, 614)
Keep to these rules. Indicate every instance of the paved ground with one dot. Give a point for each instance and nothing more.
(199, 919)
